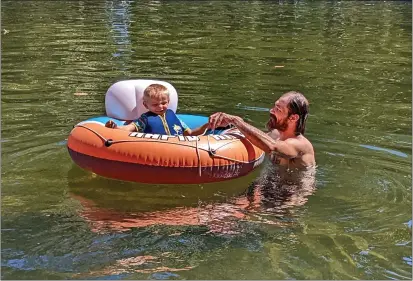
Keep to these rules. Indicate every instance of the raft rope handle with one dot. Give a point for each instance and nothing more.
(109, 142)
(212, 153)
(199, 157)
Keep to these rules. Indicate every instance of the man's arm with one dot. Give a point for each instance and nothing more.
(254, 135)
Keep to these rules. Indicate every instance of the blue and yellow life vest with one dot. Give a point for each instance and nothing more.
(168, 124)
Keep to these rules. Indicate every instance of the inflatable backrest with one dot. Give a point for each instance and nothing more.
(124, 99)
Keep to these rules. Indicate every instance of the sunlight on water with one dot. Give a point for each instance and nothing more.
(348, 219)
(398, 153)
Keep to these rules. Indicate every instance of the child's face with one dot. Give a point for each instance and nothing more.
(158, 104)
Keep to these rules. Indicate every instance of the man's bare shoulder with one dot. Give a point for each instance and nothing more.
(301, 143)
(305, 150)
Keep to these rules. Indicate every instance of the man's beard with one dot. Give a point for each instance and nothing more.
(274, 123)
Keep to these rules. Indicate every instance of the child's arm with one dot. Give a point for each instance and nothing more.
(197, 131)
(130, 127)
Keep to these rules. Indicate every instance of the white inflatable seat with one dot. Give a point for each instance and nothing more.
(124, 99)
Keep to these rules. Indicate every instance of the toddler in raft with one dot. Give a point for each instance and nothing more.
(159, 119)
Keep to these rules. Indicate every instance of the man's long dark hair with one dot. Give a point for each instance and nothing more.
(298, 104)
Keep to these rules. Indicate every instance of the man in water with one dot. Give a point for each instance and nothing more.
(291, 178)
(285, 141)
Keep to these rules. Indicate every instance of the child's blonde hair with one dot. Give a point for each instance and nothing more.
(155, 90)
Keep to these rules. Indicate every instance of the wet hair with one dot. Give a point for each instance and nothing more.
(298, 104)
(155, 90)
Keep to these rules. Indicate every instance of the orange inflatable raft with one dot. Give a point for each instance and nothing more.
(151, 158)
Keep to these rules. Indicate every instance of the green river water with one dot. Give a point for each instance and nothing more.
(352, 60)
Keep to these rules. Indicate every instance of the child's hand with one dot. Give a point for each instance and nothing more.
(111, 124)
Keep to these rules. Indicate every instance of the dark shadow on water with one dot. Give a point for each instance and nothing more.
(138, 197)
(263, 197)
(279, 188)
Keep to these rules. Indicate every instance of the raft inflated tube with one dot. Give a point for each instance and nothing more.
(163, 159)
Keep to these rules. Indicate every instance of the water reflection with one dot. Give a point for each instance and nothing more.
(353, 61)
(267, 200)
(137, 264)
(119, 18)
(279, 188)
